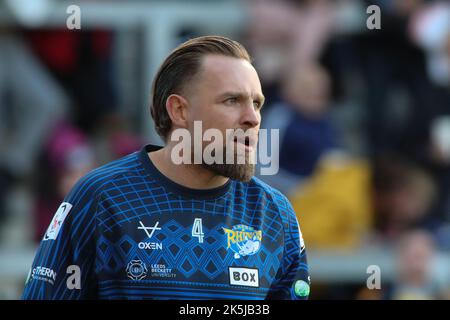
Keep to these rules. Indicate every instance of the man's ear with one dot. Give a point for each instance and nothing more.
(176, 107)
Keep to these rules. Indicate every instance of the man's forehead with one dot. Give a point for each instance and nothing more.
(219, 62)
(230, 74)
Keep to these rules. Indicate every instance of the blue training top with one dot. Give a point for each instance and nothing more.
(125, 231)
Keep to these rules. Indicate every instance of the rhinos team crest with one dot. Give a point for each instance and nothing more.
(243, 240)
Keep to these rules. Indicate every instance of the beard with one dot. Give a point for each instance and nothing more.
(235, 171)
(241, 172)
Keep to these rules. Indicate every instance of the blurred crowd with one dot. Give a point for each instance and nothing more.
(364, 120)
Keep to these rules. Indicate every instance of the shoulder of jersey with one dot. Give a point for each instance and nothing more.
(107, 172)
(272, 192)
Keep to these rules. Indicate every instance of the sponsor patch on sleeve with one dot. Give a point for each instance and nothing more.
(301, 288)
(302, 242)
(57, 221)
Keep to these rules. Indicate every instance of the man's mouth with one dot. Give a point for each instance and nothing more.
(248, 142)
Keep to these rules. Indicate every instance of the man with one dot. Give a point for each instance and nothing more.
(146, 226)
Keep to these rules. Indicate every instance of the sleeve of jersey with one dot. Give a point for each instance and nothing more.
(293, 280)
(63, 267)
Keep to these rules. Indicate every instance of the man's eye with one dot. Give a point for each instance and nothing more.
(231, 101)
(256, 104)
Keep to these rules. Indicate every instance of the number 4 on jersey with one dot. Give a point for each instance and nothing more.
(197, 230)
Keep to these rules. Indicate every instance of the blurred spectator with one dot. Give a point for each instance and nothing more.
(306, 129)
(68, 155)
(297, 33)
(403, 196)
(82, 62)
(30, 102)
(398, 89)
(408, 88)
(120, 139)
(416, 274)
(439, 151)
(429, 28)
(416, 280)
(333, 206)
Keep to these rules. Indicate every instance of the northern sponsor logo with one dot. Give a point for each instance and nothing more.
(43, 274)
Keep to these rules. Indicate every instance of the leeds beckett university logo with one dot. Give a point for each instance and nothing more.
(136, 270)
(243, 240)
(58, 219)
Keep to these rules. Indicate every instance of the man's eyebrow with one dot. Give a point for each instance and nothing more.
(259, 97)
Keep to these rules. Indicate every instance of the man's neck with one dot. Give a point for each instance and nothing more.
(193, 176)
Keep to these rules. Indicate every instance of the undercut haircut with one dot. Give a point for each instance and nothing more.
(182, 64)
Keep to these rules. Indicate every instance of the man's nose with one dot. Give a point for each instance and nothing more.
(251, 117)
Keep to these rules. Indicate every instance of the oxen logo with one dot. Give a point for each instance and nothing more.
(243, 240)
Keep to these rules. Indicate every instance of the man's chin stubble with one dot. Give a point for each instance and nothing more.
(241, 172)
(235, 170)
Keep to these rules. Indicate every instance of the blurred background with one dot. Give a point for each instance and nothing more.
(364, 120)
